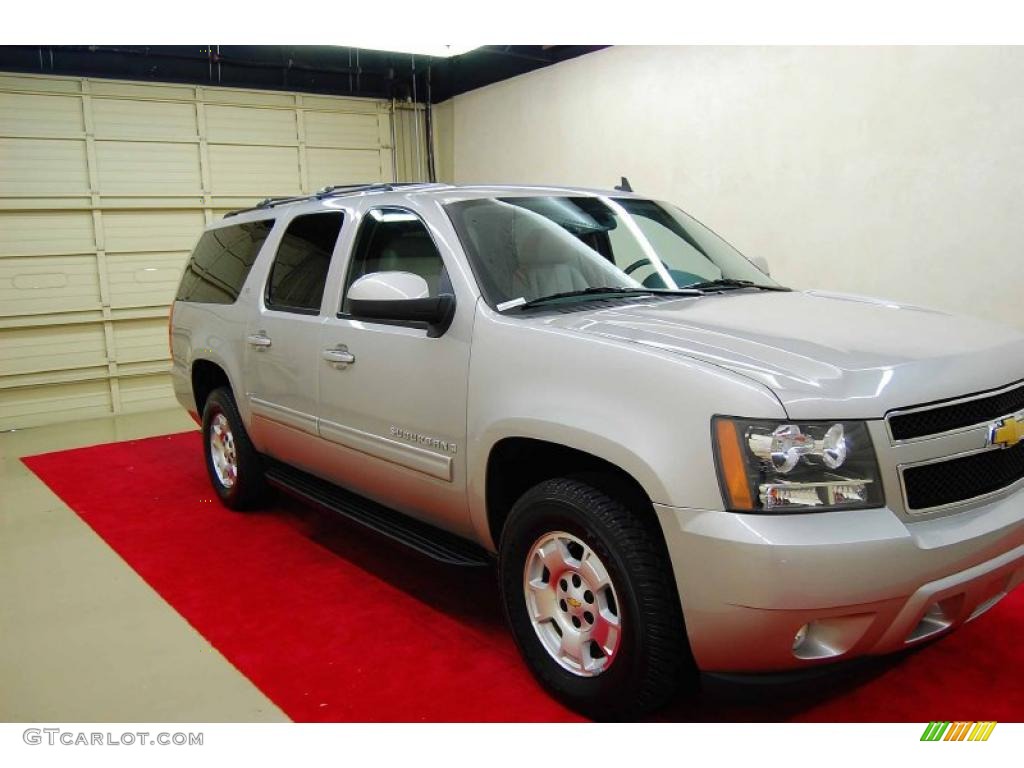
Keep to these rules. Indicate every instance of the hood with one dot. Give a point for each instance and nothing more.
(824, 355)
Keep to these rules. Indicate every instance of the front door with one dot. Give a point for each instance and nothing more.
(283, 336)
(393, 400)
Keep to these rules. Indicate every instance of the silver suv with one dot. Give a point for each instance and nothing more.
(678, 463)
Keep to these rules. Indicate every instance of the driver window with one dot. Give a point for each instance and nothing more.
(396, 240)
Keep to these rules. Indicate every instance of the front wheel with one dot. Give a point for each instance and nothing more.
(590, 598)
(232, 462)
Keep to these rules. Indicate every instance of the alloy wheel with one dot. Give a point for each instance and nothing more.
(572, 604)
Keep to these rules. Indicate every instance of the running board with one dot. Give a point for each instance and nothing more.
(433, 542)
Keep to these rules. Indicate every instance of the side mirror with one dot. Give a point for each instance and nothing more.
(761, 263)
(400, 297)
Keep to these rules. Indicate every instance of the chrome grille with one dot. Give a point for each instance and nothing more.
(946, 456)
(923, 421)
(967, 477)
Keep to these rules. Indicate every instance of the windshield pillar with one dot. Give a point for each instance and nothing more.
(642, 241)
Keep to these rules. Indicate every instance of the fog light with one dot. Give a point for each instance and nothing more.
(801, 635)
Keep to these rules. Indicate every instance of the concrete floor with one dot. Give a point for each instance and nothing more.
(82, 637)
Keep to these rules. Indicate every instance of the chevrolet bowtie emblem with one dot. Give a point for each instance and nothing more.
(1007, 432)
(574, 602)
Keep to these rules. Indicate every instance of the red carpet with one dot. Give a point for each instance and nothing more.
(336, 624)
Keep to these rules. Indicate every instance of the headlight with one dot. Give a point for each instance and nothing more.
(774, 466)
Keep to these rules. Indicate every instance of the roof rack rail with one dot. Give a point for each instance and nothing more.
(330, 191)
(346, 189)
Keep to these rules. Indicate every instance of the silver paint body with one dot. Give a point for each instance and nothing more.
(411, 421)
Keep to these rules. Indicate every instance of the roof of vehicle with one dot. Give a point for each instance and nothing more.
(391, 190)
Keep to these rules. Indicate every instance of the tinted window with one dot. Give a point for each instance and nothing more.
(221, 262)
(297, 277)
(395, 240)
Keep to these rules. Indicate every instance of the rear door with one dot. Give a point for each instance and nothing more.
(394, 416)
(283, 335)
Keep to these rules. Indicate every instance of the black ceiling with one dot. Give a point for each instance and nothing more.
(310, 68)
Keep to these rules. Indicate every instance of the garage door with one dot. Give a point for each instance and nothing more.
(105, 186)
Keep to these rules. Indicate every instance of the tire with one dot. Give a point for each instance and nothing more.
(239, 482)
(647, 659)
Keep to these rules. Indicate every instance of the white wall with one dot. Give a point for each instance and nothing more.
(896, 172)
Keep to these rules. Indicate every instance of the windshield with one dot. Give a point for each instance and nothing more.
(526, 248)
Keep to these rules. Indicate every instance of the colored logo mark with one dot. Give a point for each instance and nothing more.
(1007, 432)
(960, 731)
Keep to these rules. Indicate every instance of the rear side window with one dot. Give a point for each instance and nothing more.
(299, 271)
(221, 262)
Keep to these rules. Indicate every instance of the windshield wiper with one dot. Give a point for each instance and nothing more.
(729, 283)
(596, 292)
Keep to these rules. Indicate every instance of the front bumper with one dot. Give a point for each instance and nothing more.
(863, 581)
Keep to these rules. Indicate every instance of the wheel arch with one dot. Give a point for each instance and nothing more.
(516, 462)
(206, 375)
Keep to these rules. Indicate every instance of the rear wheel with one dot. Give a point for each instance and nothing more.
(232, 462)
(589, 595)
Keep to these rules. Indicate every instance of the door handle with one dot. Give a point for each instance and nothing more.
(258, 339)
(339, 356)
